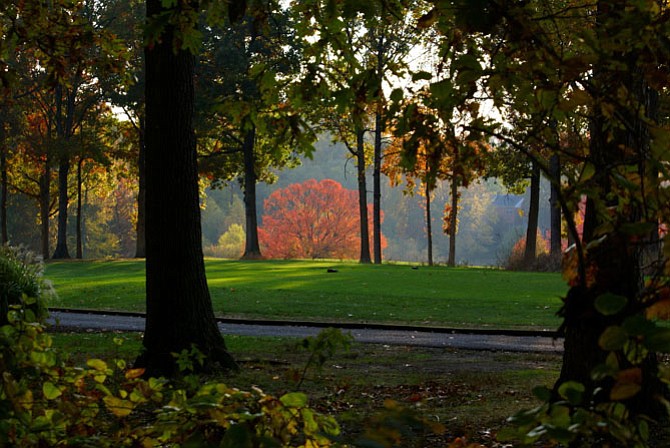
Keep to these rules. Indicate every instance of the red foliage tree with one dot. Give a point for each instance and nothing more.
(311, 220)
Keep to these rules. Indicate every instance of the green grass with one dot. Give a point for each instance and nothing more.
(437, 296)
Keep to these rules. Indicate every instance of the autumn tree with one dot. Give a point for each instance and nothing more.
(427, 150)
(603, 63)
(248, 125)
(311, 220)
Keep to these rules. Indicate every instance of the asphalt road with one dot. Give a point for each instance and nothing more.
(87, 321)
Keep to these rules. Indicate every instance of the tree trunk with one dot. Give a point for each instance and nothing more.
(179, 308)
(45, 207)
(61, 250)
(62, 131)
(555, 174)
(533, 213)
(252, 248)
(362, 197)
(616, 255)
(80, 251)
(453, 222)
(377, 189)
(3, 198)
(429, 226)
(140, 243)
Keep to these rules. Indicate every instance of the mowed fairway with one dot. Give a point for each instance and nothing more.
(304, 290)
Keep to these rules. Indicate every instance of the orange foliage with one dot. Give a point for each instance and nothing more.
(312, 220)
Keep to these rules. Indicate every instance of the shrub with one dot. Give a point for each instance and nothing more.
(21, 281)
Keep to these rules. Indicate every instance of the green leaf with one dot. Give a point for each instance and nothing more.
(572, 391)
(237, 436)
(397, 95)
(419, 76)
(613, 338)
(658, 341)
(543, 393)
(294, 400)
(609, 304)
(50, 391)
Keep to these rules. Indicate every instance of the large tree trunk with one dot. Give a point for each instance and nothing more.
(555, 206)
(362, 197)
(615, 256)
(252, 248)
(140, 243)
(61, 250)
(179, 307)
(63, 127)
(533, 214)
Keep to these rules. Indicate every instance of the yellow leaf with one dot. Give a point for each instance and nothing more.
(51, 391)
(97, 364)
(659, 310)
(118, 407)
(131, 374)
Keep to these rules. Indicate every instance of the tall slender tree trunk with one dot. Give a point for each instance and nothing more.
(429, 226)
(179, 307)
(80, 250)
(377, 189)
(377, 159)
(252, 248)
(555, 219)
(140, 242)
(45, 207)
(453, 222)
(3, 197)
(362, 197)
(533, 214)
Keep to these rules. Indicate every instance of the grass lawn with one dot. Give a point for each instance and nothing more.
(392, 293)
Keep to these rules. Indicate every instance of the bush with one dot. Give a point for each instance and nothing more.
(44, 401)
(21, 278)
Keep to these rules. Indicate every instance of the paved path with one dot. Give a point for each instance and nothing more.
(375, 336)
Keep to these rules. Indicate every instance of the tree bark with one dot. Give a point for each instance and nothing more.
(252, 248)
(179, 308)
(63, 130)
(61, 250)
(140, 242)
(4, 183)
(45, 207)
(453, 223)
(377, 189)
(615, 256)
(533, 213)
(362, 197)
(80, 251)
(429, 226)
(555, 207)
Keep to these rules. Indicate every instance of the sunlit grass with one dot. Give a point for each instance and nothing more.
(305, 290)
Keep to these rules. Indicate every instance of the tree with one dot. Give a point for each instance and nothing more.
(179, 308)
(343, 80)
(426, 149)
(251, 127)
(311, 220)
(603, 63)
